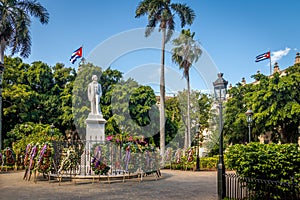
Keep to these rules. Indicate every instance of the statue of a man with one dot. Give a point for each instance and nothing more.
(94, 94)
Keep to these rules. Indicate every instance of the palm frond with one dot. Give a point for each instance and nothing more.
(186, 51)
(170, 27)
(142, 8)
(186, 14)
(35, 9)
(15, 21)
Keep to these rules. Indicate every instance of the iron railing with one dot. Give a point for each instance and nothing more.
(238, 187)
(111, 155)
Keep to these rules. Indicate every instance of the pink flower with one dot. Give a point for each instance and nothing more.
(109, 138)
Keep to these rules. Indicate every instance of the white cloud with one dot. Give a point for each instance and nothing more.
(277, 55)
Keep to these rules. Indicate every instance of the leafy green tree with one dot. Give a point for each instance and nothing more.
(163, 12)
(36, 93)
(200, 112)
(19, 106)
(14, 31)
(141, 100)
(185, 52)
(108, 79)
(206, 111)
(133, 108)
(61, 93)
(172, 109)
(32, 133)
(276, 104)
(235, 124)
(173, 120)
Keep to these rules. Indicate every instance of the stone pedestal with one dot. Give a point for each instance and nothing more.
(95, 128)
(95, 133)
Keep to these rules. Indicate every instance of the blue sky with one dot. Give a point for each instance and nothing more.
(232, 33)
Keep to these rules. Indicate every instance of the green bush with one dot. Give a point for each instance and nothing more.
(209, 163)
(278, 162)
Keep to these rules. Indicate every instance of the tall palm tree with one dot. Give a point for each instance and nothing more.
(14, 31)
(186, 51)
(163, 12)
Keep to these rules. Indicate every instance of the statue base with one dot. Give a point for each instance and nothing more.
(95, 133)
(95, 125)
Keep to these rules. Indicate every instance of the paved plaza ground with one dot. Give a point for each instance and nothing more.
(173, 185)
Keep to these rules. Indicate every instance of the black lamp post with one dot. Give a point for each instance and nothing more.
(220, 87)
(249, 115)
(198, 148)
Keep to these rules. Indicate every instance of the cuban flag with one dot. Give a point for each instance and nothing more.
(263, 56)
(75, 55)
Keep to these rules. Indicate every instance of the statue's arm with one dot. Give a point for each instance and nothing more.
(89, 93)
(99, 90)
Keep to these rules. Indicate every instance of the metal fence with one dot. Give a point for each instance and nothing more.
(84, 157)
(238, 187)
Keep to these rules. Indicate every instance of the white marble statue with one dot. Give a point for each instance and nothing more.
(94, 94)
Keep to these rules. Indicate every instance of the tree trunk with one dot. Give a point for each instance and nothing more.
(188, 110)
(2, 49)
(185, 136)
(162, 95)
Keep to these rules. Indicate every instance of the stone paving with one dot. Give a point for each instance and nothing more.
(173, 185)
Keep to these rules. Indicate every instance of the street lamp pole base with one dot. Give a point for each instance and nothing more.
(198, 164)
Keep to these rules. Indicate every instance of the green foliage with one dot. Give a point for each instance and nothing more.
(140, 103)
(200, 112)
(279, 162)
(206, 163)
(133, 109)
(32, 133)
(36, 93)
(275, 102)
(235, 124)
(186, 51)
(173, 119)
(209, 163)
(15, 20)
(163, 13)
(40, 94)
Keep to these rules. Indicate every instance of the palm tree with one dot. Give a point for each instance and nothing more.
(14, 31)
(186, 51)
(163, 12)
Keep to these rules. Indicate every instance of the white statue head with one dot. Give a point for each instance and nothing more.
(94, 78)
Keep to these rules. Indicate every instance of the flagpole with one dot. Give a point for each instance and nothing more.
(270, 64)
(82, 59)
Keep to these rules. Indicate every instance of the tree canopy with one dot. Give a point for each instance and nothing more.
(275, 101)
